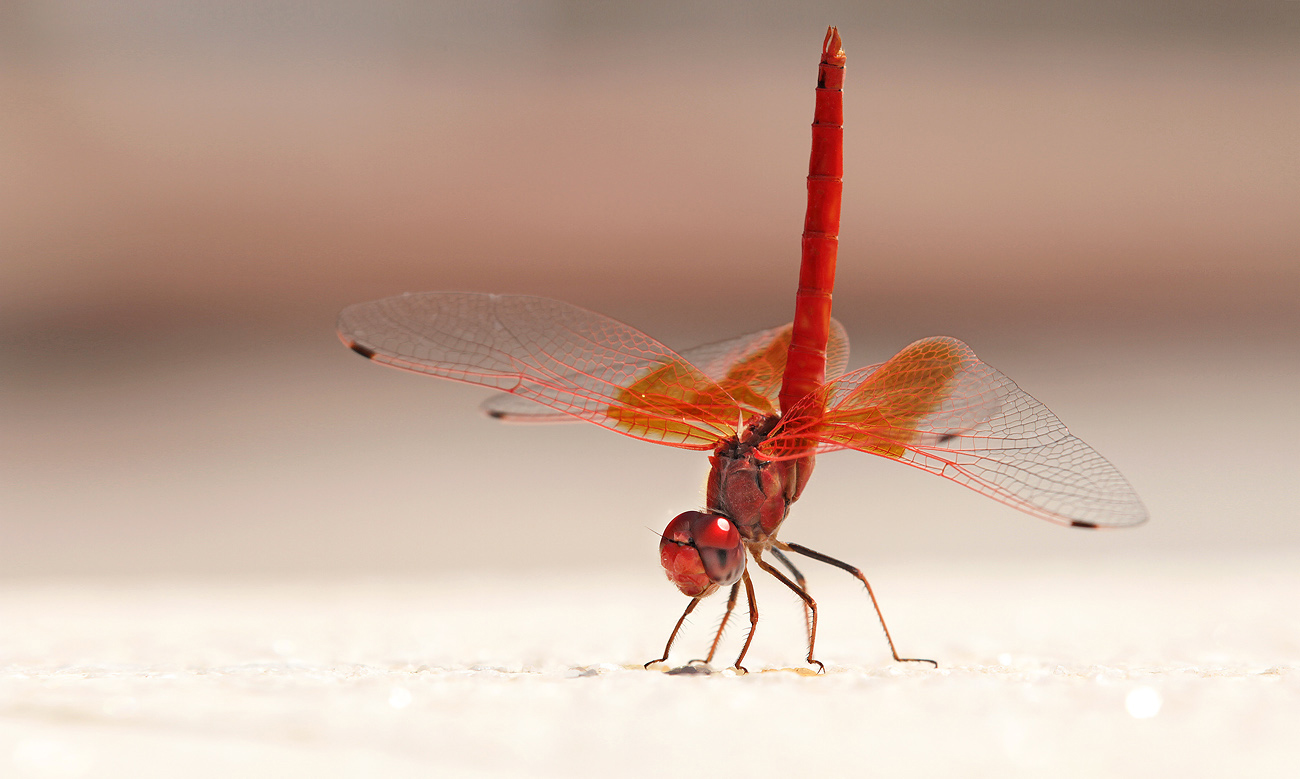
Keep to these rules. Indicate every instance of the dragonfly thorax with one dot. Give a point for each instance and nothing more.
(753, 492)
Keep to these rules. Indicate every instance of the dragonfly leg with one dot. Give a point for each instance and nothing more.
(731, 606)
(753, 620)
(857, 574)
(676, 628)
(803, 584)
(808, 602)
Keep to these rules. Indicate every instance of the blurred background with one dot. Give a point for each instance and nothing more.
(1100, 197)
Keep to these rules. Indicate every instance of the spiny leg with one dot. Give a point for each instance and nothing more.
(673, 635)
(808, 602)
(731, 605)
(753, 618)
(857, 573)
(803, 585)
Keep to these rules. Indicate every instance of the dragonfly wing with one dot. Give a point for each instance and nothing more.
(936, 406)
(748, 367)
(565, 358)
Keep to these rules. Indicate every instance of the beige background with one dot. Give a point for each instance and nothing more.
(1100, 198)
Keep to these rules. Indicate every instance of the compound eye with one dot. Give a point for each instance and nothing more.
(700, 552)
(721, 551)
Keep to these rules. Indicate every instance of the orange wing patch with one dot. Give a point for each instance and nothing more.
(881, 415)
(756, 378)
(675, 402)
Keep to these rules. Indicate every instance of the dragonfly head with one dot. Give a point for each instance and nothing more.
(701, 552)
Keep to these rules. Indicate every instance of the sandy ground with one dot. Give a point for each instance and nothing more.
(1177, 668)
(278, 564)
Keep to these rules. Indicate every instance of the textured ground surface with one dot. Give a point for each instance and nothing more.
(1179, 668)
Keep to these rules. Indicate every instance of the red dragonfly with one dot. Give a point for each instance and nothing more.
(760, 403)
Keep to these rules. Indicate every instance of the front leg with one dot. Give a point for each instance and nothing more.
(676, 628)
(731, 606)
(753, 618)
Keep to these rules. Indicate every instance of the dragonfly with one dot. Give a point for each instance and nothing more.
(764, 405)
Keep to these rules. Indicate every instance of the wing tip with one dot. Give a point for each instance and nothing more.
(1129, 521)
(361, 349)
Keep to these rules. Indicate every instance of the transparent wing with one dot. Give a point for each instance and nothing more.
(748, 367)
(935, 406)
(566, 358)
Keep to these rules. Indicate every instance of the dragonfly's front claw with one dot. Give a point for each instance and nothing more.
(821, 669)
(653, 662)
